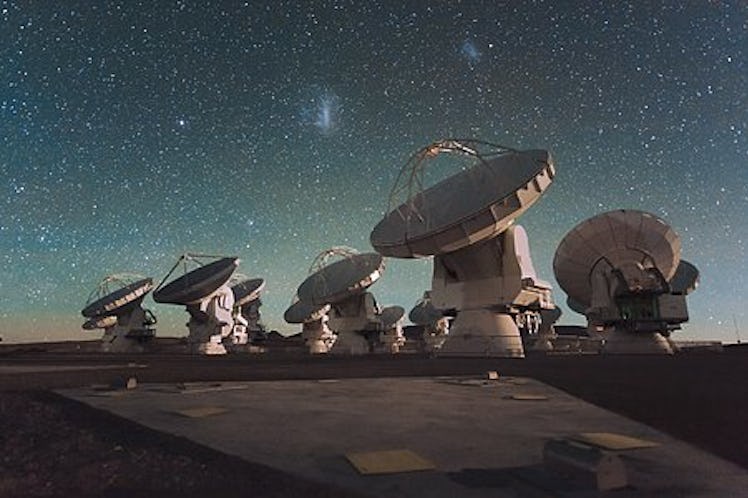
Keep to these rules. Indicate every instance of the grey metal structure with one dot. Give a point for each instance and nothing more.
(434, 322)
(353, 315)
(116, 307)
(247, 325)
(313, 319)
(623, 270)
(483, 272)
(207, 298)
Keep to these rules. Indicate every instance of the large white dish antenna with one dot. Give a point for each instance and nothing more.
(247, 290)
(342, 279)
(119, 301)
(473, 205)
(301, 312)
(197, 284)
(620, 239)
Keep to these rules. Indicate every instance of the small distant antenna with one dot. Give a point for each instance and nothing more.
(735, 322)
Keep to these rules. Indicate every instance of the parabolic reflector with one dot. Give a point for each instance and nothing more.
(470, 206)
(618, 238)
(195, 285)
(424, 313)
(120, 300)
(301, 312)
(686, 278)
(101, 322)
(247, 290)
(391, 315)
(341, 279)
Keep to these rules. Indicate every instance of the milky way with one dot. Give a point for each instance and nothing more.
(131, 132)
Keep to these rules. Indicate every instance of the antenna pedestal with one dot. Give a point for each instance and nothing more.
(492, 285)
(435, 334)
(251, 313)
(483, 333)
(239, 336)
(211, 322)
(350, 343)
(317, 336)
(620, 341)
(131, 334)
(350, 319)
(392, 340)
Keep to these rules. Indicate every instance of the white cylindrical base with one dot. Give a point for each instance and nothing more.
(483, 333)
(318, 337)
(619, 341)
(350, 343)
(213, 347)
(392, 340)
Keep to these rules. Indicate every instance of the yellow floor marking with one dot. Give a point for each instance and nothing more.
(611, 441)
(201, 411)
(529, 397)
(388, 462)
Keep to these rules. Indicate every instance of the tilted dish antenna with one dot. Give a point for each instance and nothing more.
(246, 289)
(313, 319)
(623, 268)
(342, 284)
(434, 323)
(300, 312)
(207, 297)
(115, 294)
(686, 278)
(391, 315)
(116, 306)
(330, 283)
(391, 337)
(460, 221)
(477, 203)
(247, 326)
(196, 284)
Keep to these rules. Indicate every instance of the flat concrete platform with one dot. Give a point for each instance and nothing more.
(485, 438)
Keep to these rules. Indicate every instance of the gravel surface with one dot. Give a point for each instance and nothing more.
(56, 447)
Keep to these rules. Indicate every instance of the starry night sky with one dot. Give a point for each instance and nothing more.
(131, 132)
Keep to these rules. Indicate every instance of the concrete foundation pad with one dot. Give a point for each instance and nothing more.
(483, 442)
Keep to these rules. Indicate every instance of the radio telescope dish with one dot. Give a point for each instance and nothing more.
(424, 313)
(246, 291)
(118, 301)
(391, 315)
(208, 299)
(314, 330)
(247, 327)
(116, 307)
(391, 337)
(620, 239)
(623, 268)
(193, 286)
(686, 278)
(482, 264)
(336, 293)
(433, 322)
(103, 322)
(301, 312)
(476, 204)
(344, 278)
